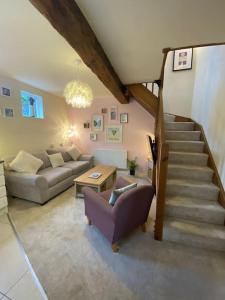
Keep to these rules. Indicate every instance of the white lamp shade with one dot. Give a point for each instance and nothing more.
(78, 94)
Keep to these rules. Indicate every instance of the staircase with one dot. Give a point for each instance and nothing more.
(193, 216)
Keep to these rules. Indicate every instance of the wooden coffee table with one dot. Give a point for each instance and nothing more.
(99, 184)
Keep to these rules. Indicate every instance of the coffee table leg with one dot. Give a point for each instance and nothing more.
(99, 189)
(75, 188)
(114, 177)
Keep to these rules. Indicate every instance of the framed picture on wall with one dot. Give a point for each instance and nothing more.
(114, 134)
(93, 136)
(113, 114)
(5, 91)
(97, 123)
(123, 118)
(104, 110)
(8, 112)
(182, 59)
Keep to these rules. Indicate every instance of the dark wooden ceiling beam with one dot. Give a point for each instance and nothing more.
(144, 97)
(67, 18)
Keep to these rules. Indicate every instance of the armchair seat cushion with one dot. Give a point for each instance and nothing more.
(77, 166)
(55, 175)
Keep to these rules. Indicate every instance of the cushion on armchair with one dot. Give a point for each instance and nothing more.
(116, 193)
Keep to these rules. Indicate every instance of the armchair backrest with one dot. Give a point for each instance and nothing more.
(132, 207)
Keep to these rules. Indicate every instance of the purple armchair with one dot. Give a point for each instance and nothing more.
(130, 210)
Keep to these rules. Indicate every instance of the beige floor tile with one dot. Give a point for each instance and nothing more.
(25, 289)
(12, 263)
(4, 219)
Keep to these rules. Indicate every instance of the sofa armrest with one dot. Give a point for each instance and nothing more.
(87, 157)
(26, 179)
(96, 205)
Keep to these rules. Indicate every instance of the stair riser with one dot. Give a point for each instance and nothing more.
(185, 159)
(191, 240)
(184, 173)
(183, 135)
(186, 147)
(195, 214)
(199, 192)
(179, 126)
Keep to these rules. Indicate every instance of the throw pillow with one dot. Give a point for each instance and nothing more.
(25, 163)
(62, 150)
(74, 153)
(116, 193)
(56, 160)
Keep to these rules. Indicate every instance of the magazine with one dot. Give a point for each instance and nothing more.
(95, 175)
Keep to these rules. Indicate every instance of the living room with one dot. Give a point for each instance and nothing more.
(81, 175)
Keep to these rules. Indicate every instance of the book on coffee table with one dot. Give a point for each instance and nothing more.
(95, 175)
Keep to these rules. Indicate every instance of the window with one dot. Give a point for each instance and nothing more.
(32, 105)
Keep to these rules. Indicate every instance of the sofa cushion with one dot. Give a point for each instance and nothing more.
(43, 155)
(77, 166)
(116, 193)
(74, 153)
(24, 162)
(65, 155)
(56, 160)
(55, 175)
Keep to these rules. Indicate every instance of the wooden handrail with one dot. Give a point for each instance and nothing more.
(160, 169)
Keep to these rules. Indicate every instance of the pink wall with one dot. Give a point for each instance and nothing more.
(140, 123)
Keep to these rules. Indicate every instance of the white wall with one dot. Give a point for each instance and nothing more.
(178, 88)
(208, 104)
(200, 94)
(30, 134)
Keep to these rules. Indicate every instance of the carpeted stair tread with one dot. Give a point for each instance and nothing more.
(190, 233)
(188, 158)
(191, 183)
(193, 209)
(182, 135)
(169, 118)
(188, 146)
(182, 171)
(192, 188)
(179, 126)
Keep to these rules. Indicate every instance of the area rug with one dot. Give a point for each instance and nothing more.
(74, 261)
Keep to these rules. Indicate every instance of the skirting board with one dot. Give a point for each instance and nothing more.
(112, 157)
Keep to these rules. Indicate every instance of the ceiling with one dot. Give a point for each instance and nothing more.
(33, 52)
(132, 33)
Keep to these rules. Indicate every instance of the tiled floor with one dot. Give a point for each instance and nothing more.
(17, 279)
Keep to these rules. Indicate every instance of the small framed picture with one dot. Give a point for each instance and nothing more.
(86, 125)
(182, 59)
(104, 110)
(93, 136)
(97, 123)
(5, 91)
(123, 118)
(113, 114)
(8, 112)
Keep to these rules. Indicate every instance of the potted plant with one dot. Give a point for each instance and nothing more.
(132, 165)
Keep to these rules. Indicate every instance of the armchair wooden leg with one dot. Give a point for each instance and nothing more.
(143, 227)
(89, 222)
(115, 247)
